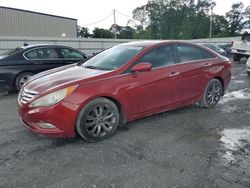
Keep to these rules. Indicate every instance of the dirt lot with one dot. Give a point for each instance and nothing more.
(188, 147)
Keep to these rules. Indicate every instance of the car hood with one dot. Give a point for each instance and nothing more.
(56, 78)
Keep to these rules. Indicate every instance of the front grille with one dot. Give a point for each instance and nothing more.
(26, 95)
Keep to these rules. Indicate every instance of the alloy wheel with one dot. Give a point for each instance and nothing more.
(213, 93)
(100, 120)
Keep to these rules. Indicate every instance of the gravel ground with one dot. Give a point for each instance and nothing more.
(188, 147)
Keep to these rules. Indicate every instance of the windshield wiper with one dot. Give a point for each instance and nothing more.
(96, 68)
(90, 67)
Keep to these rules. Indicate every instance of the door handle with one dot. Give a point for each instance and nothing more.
(174, 74)
(207, 64)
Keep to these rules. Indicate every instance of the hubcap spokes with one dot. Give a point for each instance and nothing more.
(23, 80)
(100, 120)
(213, 93)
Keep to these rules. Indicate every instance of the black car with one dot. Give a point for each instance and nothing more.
(18, 65)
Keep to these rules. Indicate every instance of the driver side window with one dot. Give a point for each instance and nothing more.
(159, 57)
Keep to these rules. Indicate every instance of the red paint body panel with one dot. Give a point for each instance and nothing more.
(140, 93)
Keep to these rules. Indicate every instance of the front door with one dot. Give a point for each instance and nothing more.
(156, 89)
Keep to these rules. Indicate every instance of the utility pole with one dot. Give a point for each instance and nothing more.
(211, 24)
(115, 24)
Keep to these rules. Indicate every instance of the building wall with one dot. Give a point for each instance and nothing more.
(88, 46)
(14, 22)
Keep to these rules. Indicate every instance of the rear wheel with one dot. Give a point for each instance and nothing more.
(98, 120)
(212, 94)
(248, 73)
(21, 79)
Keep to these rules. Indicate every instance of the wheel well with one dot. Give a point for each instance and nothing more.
(121, 111)
(222, 83)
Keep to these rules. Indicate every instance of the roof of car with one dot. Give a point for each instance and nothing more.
(42, 45)
(149, 43)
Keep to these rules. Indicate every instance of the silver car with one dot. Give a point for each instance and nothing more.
(248, 66)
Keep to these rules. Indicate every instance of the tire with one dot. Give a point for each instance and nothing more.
(98, 120)
(212, 94)
(236, 57)
(21, 79)
(248, 73)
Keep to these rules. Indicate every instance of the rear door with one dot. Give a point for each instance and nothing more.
(193, 63)
(52, 57)
(43, 58)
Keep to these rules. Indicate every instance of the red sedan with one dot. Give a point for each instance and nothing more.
(121, 84)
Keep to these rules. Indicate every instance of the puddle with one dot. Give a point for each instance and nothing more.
(235, 141)
(241, 94)
(238, 81)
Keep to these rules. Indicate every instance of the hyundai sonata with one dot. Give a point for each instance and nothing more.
(121, 84)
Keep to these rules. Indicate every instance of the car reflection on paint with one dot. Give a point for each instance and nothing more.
(121, 84)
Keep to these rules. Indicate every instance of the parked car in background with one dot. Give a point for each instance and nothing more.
(215, 48)
(18, 65)
(121, 84)
(241, 48)
(248, 66)
(227, 48)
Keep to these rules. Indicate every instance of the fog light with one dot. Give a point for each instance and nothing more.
(44, 125)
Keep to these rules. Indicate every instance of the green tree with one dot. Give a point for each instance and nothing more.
(123, 32)
(84, 32)
(174, 19)
(220, 26)
(247, 18)
(102, 33)
(235, 19)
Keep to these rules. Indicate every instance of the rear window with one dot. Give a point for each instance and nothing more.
(192, 53)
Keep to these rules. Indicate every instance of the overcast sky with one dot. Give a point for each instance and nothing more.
(91, 11)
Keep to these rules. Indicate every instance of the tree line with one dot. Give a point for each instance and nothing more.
(177, 19)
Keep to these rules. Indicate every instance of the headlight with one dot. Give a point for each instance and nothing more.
(53, 98)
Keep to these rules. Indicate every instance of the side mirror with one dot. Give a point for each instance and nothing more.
(142, 67)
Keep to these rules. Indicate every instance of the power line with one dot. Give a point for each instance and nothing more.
(96, 22)
(125, 15)
(131, 20)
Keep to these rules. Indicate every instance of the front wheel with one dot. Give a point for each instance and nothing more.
(98, 120)
(212, 94)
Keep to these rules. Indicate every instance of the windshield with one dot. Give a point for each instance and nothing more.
(10, 52)
(112, 58)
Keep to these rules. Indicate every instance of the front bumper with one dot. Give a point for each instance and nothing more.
(62, 115)
(242, 52)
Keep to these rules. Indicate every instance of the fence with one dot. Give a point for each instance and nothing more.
(87, 45)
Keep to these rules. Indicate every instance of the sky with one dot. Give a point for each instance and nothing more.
(88, 12)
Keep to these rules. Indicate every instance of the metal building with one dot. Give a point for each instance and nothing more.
(16, 22)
